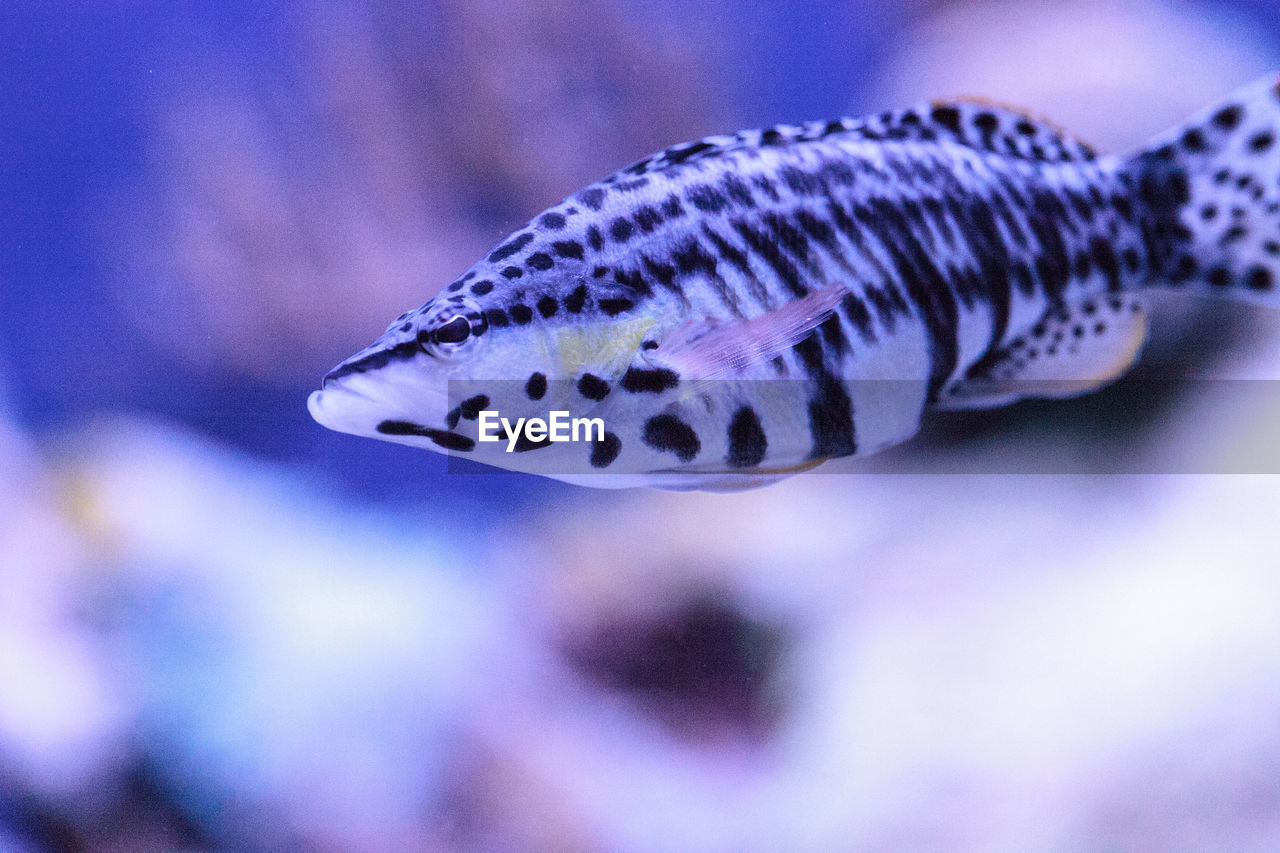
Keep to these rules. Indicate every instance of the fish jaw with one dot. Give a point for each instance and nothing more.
(364, 405)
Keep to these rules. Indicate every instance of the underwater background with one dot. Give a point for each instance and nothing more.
(1047, 627)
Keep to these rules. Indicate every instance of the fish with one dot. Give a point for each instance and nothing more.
(735, 310)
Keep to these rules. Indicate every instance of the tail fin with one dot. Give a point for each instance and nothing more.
(1211, 195)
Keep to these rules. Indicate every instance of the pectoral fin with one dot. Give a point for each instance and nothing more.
(719, 349)
(1067, 353)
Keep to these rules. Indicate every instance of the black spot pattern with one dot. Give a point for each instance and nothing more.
(540, 261)
(593, 387)
(536, 387)
(604, 452)
(473, 406)
(524, 444)
(614, 307)
(547, 306)
(1260, 279)
(649, 381)
(621, 229)
(648, 218)
(574, 302)
(568, 249)
(1228, 118)
(669, 434)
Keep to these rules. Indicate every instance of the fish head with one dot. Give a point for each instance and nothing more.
(484, 345)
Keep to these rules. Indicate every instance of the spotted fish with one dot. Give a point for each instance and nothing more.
(746, 306)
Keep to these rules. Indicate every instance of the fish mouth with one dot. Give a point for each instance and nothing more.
(359, 405)
(344, 409)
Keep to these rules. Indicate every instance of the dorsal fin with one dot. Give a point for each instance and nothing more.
(975, 122)
(980, 124)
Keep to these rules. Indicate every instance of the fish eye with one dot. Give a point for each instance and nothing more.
(453, 332)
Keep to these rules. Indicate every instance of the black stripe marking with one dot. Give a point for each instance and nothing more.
(706, 198)
(738, 258)
(747, 442)
(1104, 256)
(833, 336)
(574, 302)
(738, 191)
(801, 182)
(447, 440)
(925, 285)
(664, 273)
(830, 410)
(856, 311)
(382, 358)
(679, 155)
(634, 281)
(766, 186)
(794, 241)
(767, 249)
(508, 249)
(648, 218)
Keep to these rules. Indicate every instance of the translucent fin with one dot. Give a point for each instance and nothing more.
(1066, 354)
(721, 349)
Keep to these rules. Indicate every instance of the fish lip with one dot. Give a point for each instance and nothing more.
(340, 418)
(351, 405)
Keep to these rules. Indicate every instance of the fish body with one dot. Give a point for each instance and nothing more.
(739, 308)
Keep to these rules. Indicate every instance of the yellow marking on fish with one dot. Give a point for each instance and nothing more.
(606, 344)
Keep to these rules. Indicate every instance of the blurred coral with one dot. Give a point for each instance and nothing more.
(290, 218)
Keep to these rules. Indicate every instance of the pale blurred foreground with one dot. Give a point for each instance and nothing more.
(210, 652)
